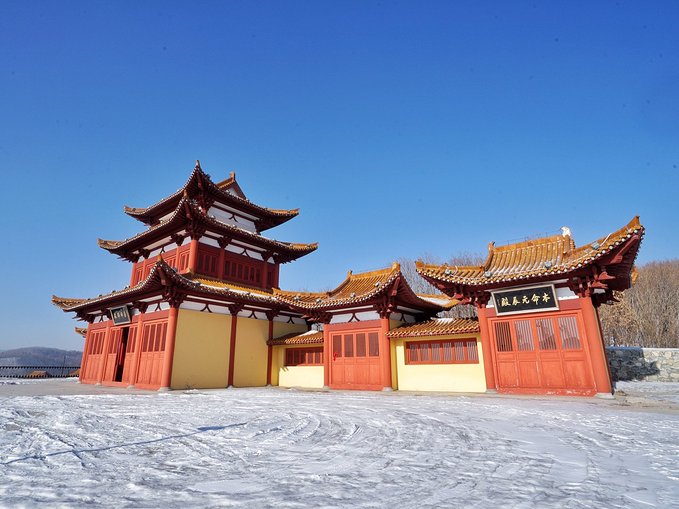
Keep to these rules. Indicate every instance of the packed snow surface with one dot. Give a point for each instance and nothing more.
(273, 447)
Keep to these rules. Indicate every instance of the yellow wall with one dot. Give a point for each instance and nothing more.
(438, 377)
(201, 352)
(251, 352)
(394, 324)
(297, 376)
(278, 359)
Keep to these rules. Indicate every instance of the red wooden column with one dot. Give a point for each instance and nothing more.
(134, 272)
(223, 242)
(269, 350)
(327, 353)
(276, 275)
(233, 309)
(385, 354)
(104, 353)
(486, 345)
(139, 335)
(601, 329)
(168, 356)
(86, 348)
(597, 353)
(193, 255)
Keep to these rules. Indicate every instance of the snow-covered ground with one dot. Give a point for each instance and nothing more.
(272, 447)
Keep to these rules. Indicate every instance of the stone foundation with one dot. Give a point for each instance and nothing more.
(652, 364)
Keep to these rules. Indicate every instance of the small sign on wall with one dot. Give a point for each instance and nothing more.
(120, 315)
(531, 299)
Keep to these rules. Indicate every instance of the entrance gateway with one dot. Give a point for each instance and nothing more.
(537, 303)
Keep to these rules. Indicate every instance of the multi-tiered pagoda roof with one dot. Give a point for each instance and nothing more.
(221, 217)
(200, 188)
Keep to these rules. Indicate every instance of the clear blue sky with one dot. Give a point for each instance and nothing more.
(399, 128)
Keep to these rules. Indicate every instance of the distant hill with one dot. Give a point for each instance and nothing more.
(39, 356)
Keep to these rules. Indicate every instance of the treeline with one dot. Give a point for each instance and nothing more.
(647, 315)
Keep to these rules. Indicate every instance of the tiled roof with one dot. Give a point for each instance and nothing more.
(65, 302)
(436, 327)
(215, 283)
(161, 275)
(230, 184)
(199, 181)
(188, 209)
(311, 337)
(439, 299)
(360, 288)
(546, 257)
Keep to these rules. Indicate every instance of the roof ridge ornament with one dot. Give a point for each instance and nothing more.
(491, 254)
(198, 165)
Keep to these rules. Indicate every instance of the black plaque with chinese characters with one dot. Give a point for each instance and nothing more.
(120, 315)
(525, 300)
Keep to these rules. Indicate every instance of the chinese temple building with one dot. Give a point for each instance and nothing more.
(203, 309)
(537, 305)
(200, 306)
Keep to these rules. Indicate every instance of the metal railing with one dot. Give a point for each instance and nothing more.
(39, 371)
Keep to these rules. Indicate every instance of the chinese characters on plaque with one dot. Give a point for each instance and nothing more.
(525, 300)
(120, 315)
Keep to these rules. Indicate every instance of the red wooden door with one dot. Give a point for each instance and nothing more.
(152, 351)
(94, 356)
(130, 356)
(355, 361)
(111, 355)
(546, 354)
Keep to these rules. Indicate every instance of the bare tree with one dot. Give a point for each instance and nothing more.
(648, 313)
(420, 285)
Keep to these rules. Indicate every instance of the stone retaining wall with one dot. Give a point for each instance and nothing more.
(653, 364)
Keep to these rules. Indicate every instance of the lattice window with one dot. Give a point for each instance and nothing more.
(207, 263)
(115, 339)
(348, 345)
(442, 352)
(154, 337)
(97, 342)
(337, 346)
(472, 351)
(360, 345)
(546, 336)
(304, 356)
(130, 340)
(524, 336)
(503, 337)
(373, 344)
(568, 328)
(183, 263)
